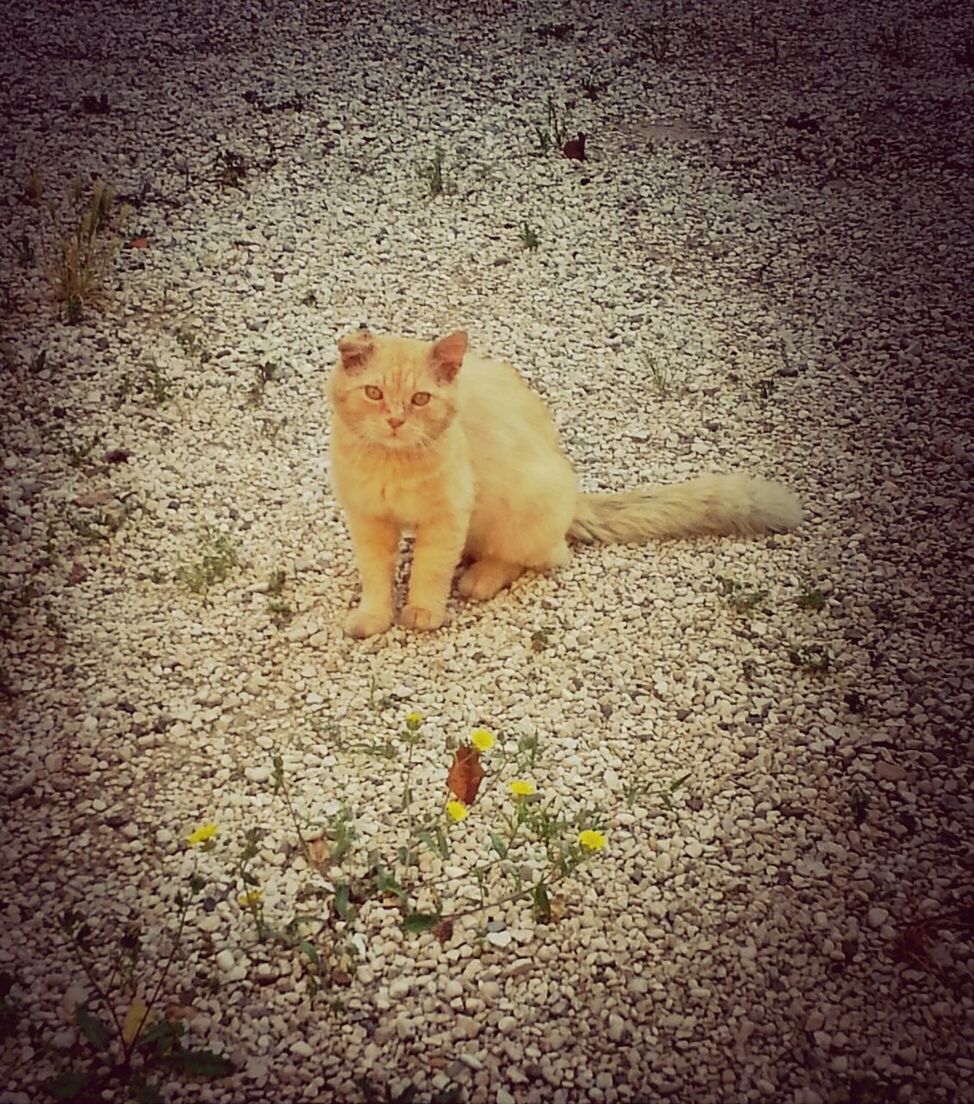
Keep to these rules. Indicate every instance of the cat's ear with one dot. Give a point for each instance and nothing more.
(446, 355)
(356, 350)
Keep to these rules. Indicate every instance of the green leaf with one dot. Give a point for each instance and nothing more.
(147, 1093)
(164, 1035)
(343, 904)
(311, 951)
(678, 782)
(68, 1085)
(204, 1063)
(93, 1029)
(498, 845)
(420, 921)
(541, 904)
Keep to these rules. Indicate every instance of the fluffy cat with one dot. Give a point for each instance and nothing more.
(430, 437)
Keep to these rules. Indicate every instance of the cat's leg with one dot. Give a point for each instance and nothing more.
(484, 578)
(435, 556)
(376, 541)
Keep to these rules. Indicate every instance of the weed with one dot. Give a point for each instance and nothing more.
(895, 42)
(858, 804)
(738, 597)
(811, 598)
(34, 187)
(553, 133)
(156, 384)
(529, 236)
(95, 105)
(309, 299)
(432, 172)
(77, 452)
(964, 54)
(219, 557)
(540, 639)
(189, 340)
(280, 612)
(659, 376)
(231, 169)
(276, 581)
(657, 43)
(764, 388)
(24, 251)
(812, 658)
(264, 374)
(78, 258)
(129, 1039)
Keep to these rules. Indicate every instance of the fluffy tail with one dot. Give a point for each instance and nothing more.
(720, 505)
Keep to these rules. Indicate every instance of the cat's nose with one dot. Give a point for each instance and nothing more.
(395, 423)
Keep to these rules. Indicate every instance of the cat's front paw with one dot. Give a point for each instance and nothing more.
(362, 622)
(417, 617)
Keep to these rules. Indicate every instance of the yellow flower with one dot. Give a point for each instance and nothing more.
(456, 810)
(592, 840)
(521, 787)
(413, 720)
(482, 740)
(203, 834)
(250, 898)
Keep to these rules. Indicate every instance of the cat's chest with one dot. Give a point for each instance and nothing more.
(409, 497)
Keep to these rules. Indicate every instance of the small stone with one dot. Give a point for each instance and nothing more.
(466, 1027)
(617, 1028)
(302, 1048)
(258, 774)
(889, 772)
(499, 938)
(815, 1021)
(224, 960)
(877, 916)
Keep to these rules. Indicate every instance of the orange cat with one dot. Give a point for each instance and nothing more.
(470, 461)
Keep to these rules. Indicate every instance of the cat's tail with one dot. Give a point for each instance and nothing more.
(720, 505)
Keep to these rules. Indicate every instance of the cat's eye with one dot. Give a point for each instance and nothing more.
(421, 398)
(374, 393)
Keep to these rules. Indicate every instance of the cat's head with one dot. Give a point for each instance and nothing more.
(397, 392)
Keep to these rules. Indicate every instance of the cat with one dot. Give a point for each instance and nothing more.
(429, 437)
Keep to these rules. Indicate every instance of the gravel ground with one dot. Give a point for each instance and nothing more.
(763, 264)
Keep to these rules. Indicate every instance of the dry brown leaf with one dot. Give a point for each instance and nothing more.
(95, 498)
(317, 850)
(465, 774)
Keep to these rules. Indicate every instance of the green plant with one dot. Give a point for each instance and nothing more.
(810, 597)
(657, 42)
(738, 597)
(858, 804)
(129, 1040)
(529, 236)
(231, 168)
(658, 375)
(553, 132)
(432, 172)
(78, 256)
(95, 105)
(540, 639)
(218, 559)
(264, 374)
(812, 658)
(280, 612)
(896, 42)
(964, 54)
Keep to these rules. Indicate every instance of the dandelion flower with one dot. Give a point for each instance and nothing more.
(413, 720)
(203, 834)
(249, 899)
(456, 810)
(592, 840)
(482, 740)
(522, 787)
